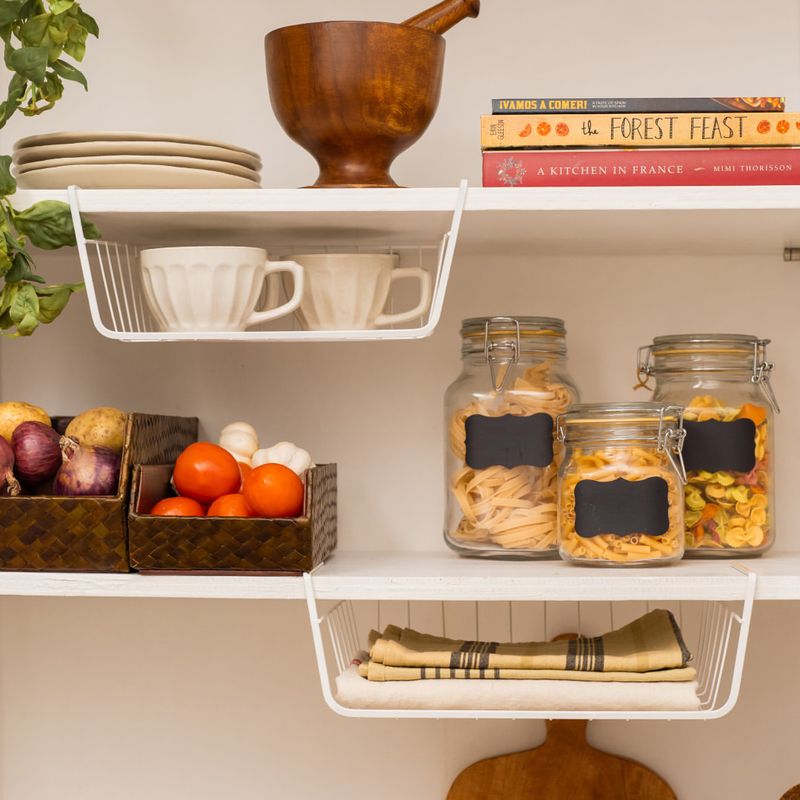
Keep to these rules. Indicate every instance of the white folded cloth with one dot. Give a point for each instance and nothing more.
(354, 691)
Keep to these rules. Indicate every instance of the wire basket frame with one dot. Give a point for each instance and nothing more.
(120, 311)
(721, 631)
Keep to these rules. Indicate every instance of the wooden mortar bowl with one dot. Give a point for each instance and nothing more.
(354, 94)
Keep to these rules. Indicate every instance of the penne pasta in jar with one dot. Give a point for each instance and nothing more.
(620, 486)
(502, 461)
(723, 382)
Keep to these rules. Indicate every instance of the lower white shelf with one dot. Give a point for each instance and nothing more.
(440, 575)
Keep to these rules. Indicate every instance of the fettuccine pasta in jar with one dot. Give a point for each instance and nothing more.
(723, 382)
(620, 487)
(502, 460)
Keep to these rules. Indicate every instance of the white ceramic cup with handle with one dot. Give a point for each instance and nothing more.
(348, 291)
(202, 289)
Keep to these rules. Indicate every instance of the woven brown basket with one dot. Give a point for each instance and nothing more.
(214, 544)
(87, 534)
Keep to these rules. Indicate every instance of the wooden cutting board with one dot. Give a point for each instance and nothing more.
(565, 767)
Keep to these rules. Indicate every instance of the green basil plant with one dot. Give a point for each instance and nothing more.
(36, 35)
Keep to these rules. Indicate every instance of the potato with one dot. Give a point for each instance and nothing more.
(104, 427)
(15, 412)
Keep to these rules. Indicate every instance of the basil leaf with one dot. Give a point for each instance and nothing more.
(75, 49)
(7, 297)
(7, 183)
(27, 325)
(24, 310)
(48, 225)
(16, 91)
(43, 291)
(9, 9)
(60, 6)
(70, 73)
(30, 62)
(20, 269)
(53, 303)
(34, 31)
(57, 36)
(88, 22)
(29, 7)
(11, 244)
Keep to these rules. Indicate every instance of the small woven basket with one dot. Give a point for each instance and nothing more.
(87, 534)
(231, 544)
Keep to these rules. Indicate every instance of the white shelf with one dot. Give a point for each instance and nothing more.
(715, 220)
(439, 576)
(265, 217)
(214, 587)
(677, 220)
(445, 576)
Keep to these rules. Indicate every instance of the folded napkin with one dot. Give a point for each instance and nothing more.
(380, 672)
(651, 644)
(519, 695)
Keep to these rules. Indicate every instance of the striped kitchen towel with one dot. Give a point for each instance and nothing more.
(649, 644)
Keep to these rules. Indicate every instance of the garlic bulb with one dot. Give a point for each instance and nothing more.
(240, 440)
(286, 453)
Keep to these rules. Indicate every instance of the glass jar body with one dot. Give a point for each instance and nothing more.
(504, 510)
(729, 454)
(620, 494)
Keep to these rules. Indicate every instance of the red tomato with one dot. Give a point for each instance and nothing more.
(273, 490)
(245, 470)
(230, 505)
(206, 471)
(178, 507)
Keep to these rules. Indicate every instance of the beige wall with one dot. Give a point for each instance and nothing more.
(198, 699)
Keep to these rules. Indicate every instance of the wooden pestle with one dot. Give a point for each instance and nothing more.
(444, 15)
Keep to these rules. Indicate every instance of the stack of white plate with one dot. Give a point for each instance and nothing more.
(125, 160)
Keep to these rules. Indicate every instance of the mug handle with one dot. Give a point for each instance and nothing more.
(424, 278)
(270, 268)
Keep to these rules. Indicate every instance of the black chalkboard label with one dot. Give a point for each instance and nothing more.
(717, 446)
(509, 441)
(622, 507)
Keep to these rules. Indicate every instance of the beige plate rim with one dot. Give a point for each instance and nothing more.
(80, 137)
(80, 150)
(104, 174)
(157, 161)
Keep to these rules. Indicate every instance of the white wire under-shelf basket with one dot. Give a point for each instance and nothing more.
(119, 309)
(715, 631)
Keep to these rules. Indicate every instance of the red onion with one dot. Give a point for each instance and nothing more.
(7, 478)
(86, 471)
(37, 454)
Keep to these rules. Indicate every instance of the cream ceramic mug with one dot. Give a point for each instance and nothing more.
(348, 291)
(201, 289)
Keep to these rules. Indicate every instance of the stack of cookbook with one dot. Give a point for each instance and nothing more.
(702, 141)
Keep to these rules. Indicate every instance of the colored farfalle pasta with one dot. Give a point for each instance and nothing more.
(729, 509)
(513, 508)
(608, 464)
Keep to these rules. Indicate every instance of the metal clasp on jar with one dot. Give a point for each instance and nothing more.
(500, 356)
(644, 367)
(761, 371)
(670, 440)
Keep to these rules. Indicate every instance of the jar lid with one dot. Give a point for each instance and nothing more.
(622, 414)
(508, 326)
(707, 343)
